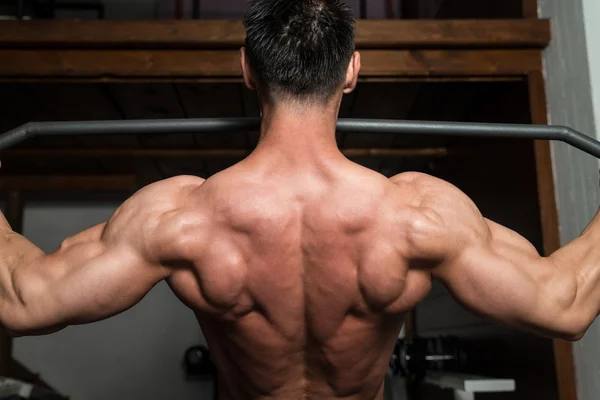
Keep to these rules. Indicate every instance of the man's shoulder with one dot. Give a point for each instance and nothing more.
(176, 183)
(174, 190)
(416, 178)
(426, 186)
(428, 201)
(160, 201)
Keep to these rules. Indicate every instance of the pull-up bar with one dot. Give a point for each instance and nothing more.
(206, 126)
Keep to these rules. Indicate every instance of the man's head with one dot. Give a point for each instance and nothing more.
(300, 50)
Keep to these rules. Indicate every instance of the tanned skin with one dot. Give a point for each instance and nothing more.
(299, 264)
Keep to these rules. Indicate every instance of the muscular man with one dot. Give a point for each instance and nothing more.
(299, 264)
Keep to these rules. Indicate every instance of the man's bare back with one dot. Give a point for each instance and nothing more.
(314, 281)
(299, 264)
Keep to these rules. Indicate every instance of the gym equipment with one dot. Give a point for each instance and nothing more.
(442, 362)
(198, 362)
(198, 126)
(413, 358)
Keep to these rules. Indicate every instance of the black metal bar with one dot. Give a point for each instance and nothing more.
(205, 126)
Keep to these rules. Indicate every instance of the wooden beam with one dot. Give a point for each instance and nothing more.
(409, 9)
(200, 153)
(178, 9)
(563, 351)
(229, 34)
(450, 62)
(107, 183)
(389, 9)
(196, 64)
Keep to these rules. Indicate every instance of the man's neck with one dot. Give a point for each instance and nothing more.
(299, 134)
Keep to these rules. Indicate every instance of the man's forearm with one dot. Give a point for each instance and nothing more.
(16, 252)
(579, 262)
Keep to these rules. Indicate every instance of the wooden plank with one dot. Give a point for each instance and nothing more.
(210, 63)
(123, 183)
(563, 351)
(121, 63)
(450, 62)
(229, 34)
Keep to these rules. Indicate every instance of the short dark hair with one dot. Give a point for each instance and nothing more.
(300, 48)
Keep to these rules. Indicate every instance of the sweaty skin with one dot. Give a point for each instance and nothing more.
(299, 264)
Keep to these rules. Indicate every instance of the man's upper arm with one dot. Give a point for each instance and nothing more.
(84, 283)
(100, 272)
(490, 269)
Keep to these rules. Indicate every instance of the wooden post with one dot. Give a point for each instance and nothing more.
(363, 9)
(409, 9)
(530, 9)
(178, 9)
(389, 9)
(563, 351)
(14, 216)
(410, 324)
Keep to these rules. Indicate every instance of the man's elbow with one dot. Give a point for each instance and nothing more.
(561, 310)
(24, 327)
(574, 335)
(16, 333)
(14, 329)
(15, 321)
(574, 325)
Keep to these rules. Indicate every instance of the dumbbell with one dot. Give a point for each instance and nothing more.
(413, 358)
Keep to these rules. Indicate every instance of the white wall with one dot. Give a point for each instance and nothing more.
(136, 355)
(572, 65)
(591, 15)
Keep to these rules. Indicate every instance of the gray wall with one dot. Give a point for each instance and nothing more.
(592, 29)
(136, 355)
(569, 87)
